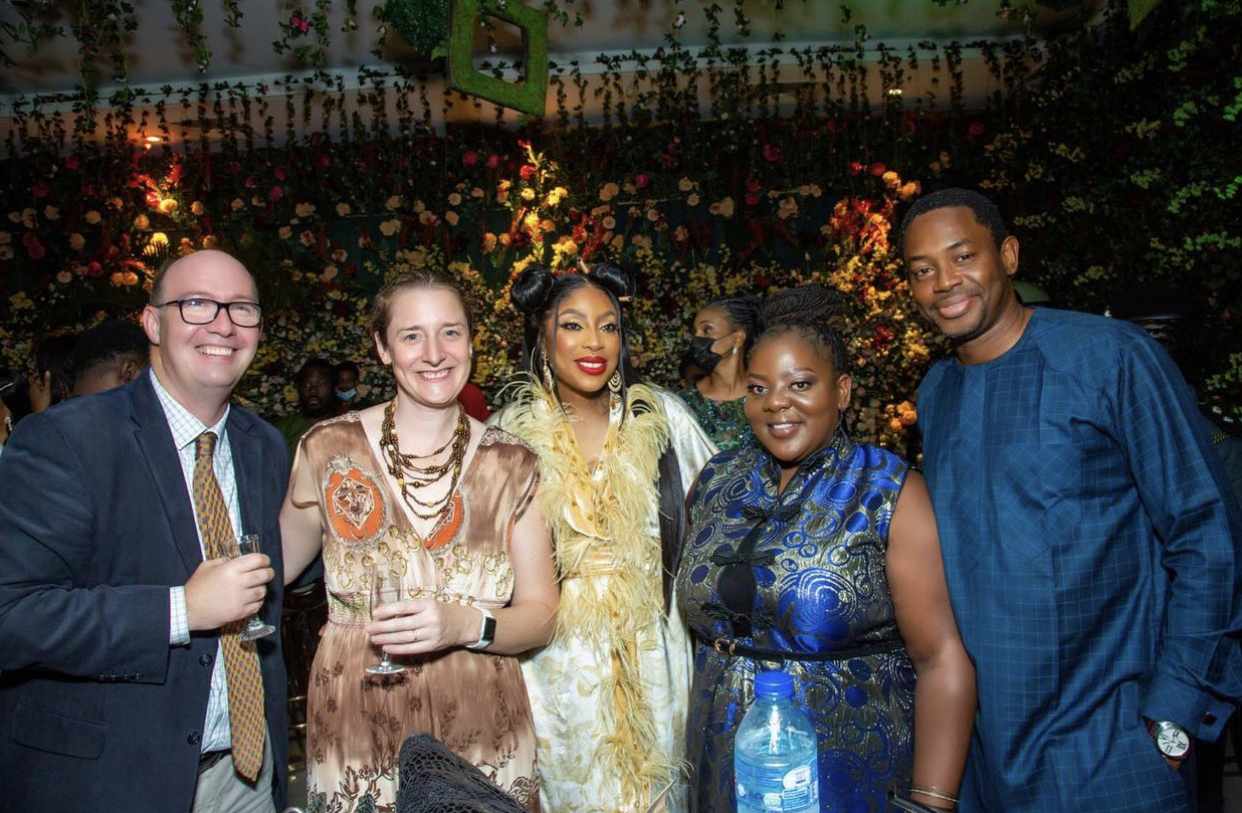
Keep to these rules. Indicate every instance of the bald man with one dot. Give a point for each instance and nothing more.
(125, 685)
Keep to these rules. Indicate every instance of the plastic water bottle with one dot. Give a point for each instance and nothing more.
(775, 766)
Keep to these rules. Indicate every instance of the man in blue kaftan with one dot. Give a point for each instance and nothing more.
(1087, 530)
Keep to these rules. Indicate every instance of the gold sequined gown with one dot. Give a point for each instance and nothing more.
(474, 702)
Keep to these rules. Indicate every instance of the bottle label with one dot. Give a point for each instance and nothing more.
(776, 787)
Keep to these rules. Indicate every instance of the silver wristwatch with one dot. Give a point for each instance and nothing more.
(1171, 739)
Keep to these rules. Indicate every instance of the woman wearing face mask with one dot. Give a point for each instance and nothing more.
(723, 332)
(615, 458)
(416, 490)
(817, 555)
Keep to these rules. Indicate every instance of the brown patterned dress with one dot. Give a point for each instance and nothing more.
(474, 702)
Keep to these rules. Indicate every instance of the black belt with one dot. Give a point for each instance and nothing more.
(208, 760)
(733, 649)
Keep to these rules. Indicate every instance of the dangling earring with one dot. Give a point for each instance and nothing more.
(614, 392)
(548, 381)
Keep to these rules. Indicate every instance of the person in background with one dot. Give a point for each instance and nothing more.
(819, 553)
(616, 457)
(347, 377)
(1088, 531)
(1170, 316)
(474, 401)
(688, 373)
(723, 334)
(316, 382)
(52, 380)
(107, 356)
(417, 491)
(125, 685)
(9, 384)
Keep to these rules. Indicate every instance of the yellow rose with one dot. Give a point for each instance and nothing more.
(168, 205)
(51, 212)
(142, 222)
(454, 199)
(64, 277)
(343, 209)
(92, 217)
(685, 184)
(451, 217)
(76, 241)
(285, 232)
(392, 202)
(528, 194)
(304, 209)
(196, 208)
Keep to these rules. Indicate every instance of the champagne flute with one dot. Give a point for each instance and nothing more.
(385, 589)
(255, 627)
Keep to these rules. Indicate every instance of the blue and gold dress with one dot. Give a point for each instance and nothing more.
(797, 581)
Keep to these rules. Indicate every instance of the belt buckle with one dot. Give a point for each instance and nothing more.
(719, 643)
(209, 760)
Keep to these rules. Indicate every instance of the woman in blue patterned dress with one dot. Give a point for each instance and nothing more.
(723, 333)
(817, 555)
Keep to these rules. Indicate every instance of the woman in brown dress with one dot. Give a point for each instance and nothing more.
(416, 489)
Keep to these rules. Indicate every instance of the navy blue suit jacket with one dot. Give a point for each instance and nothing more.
(97, 711)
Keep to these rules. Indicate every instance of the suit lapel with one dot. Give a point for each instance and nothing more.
(154, 438)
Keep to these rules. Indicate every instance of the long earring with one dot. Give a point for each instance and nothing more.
(614, 383)
(548, 381)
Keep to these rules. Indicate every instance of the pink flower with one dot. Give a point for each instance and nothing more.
(772, 154)
(325, 160)
(493, 161)
(974, 130)
(33, 246)
(280, 173)
(752, 184)
(470, 158)
(641, 180)
(41, 189)
(94, 270)
(297, 22)
(275, 193)
(752, 199)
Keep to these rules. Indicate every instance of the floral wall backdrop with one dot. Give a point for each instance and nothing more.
(1117, 165)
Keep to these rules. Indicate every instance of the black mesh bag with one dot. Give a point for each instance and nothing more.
(435, 780)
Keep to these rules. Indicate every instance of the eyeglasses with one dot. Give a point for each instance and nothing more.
(204, 311)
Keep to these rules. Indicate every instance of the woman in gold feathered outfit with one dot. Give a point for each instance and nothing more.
(616, 457)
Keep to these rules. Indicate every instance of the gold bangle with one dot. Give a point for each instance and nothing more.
(933, 793)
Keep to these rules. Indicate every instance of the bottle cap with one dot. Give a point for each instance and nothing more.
(773, 684)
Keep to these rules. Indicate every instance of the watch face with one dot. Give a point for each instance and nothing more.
(1172, 740)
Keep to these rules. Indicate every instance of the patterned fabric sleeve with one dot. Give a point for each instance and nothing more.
(1183, 488)
(691, 443)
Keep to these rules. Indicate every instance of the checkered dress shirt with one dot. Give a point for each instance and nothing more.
(185, 429)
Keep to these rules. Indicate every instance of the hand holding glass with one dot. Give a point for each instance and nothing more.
(385, 589)
(240, 546)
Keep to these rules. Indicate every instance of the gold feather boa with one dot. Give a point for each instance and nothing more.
(600, 525)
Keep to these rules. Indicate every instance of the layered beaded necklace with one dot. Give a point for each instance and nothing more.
(409, 475)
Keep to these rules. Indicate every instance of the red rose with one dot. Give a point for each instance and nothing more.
(33, 247)
(325, 160)
(527, 172)
(832, 125)
(41, 189)
(72, 163)
(280, 173)
(301, 25)
(470, 159)
(641, 181)
(275, 193)
(909, 126)
(974, 130)
(772, 154)
(94, 270)
(855, 167)
(752, 184)
(752, 199)
(250, 182)
(877, 169)
(493, 161)
(234, 167)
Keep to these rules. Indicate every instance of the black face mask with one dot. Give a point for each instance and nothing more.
(701, 352)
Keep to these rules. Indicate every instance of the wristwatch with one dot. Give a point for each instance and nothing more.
(487, 631)
(1171, 739)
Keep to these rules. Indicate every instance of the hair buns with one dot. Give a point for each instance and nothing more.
(619, 282)
(531, 288)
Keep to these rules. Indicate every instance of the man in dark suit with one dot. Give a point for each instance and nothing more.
(124, 683)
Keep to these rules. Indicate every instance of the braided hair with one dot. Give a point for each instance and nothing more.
(538, 294)
(743, 313)
(811, 311)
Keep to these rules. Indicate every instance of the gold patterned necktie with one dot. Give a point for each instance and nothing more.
(241, 663)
